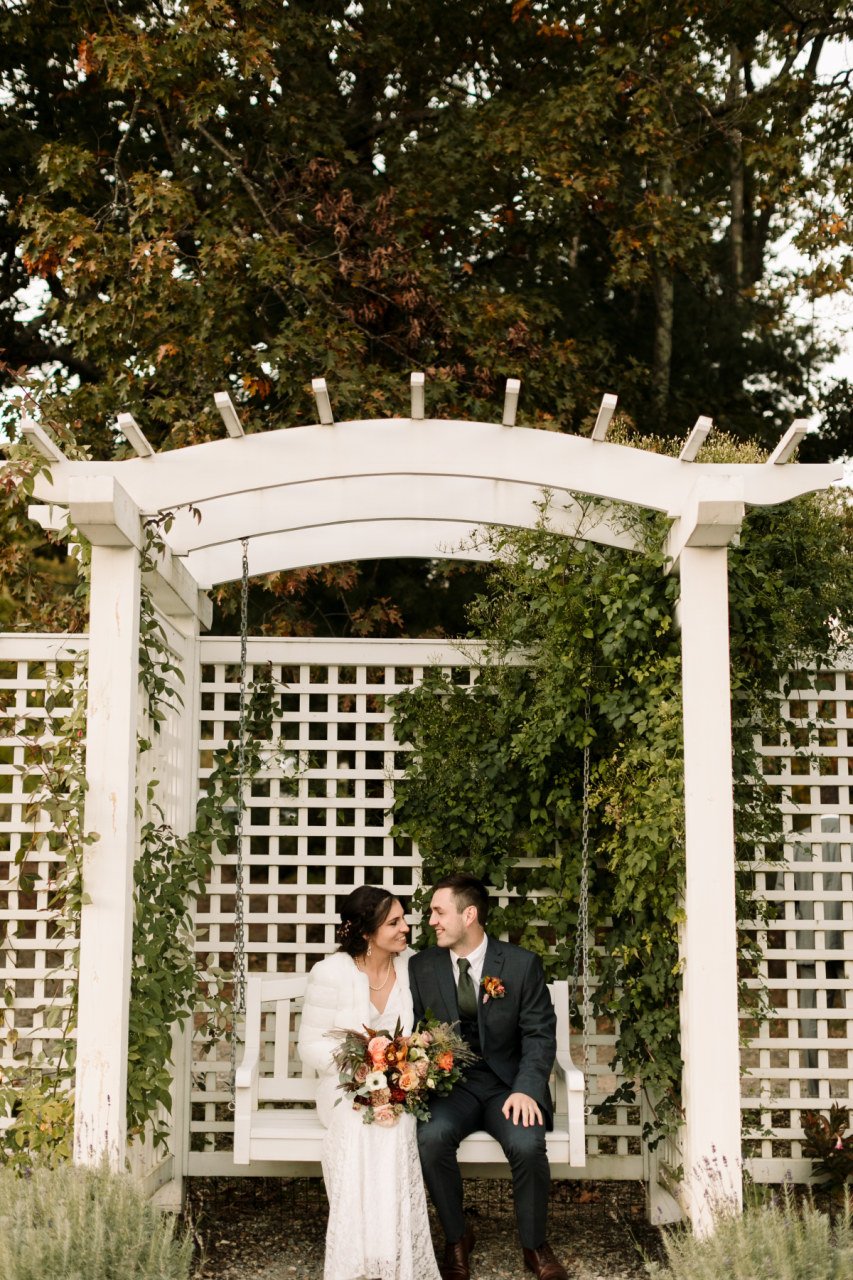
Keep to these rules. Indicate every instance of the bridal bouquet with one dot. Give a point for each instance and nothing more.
(389, 1074)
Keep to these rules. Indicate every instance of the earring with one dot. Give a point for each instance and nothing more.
(369, 950)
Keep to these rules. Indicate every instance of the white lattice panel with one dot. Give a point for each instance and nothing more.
(309, 839)
(37, 955)
(802, 1057)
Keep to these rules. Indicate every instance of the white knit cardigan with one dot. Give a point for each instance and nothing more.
(338, 997)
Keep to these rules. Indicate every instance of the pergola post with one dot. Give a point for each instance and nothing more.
(100, 1129)
(709, 999)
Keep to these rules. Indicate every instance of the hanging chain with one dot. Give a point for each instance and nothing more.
(582, 939)
(239, 975)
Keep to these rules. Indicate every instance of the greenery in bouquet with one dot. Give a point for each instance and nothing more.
(389, 1074)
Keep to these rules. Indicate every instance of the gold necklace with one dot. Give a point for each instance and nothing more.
(367, 975)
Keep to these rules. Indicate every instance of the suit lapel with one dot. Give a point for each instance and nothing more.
(492, 967)
(446, 985)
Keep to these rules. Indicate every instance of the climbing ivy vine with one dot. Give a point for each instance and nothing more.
(493, 782)
(167, 987)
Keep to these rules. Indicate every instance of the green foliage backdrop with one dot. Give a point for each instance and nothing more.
(494, 781)
(206, 194)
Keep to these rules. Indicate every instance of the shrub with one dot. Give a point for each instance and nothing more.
(83, 1224)
(42, 1125)
(776, 1241)
(829, 1147)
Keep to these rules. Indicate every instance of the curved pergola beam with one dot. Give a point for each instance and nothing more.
(289, 526)
(435, 447)
(303, 548)
(281, 550)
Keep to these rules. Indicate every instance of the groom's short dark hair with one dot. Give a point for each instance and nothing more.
(467, 891)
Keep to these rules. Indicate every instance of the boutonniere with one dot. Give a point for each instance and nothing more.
(493, 988)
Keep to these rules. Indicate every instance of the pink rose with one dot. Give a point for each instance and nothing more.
(385, 1115)
(362, 1071)
(422, 1068)
(376, 1048)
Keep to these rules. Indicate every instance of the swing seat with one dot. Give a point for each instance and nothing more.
(275, 1116)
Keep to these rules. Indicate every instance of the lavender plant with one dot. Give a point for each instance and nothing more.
(85, 1224)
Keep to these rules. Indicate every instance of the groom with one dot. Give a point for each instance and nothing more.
(497, 993)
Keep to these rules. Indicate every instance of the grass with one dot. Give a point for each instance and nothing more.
(85, 1224)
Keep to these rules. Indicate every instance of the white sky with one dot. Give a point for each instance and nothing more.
(834, 315)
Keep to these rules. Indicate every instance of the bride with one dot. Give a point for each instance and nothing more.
(378, 1226)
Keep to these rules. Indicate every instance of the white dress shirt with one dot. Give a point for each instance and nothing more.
(477, 959)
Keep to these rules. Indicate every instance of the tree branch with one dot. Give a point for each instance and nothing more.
(246, 182)
(31, 349)
(406, 120)
(118, 176)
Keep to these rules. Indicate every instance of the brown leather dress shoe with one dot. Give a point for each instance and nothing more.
(455, 1265)
(543, 1264)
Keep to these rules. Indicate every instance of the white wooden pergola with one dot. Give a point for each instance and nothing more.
(406, 487)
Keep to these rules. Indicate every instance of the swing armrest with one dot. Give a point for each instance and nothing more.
(249, 1068)
(568, 1073)
(246, 1079)
(570, 1105)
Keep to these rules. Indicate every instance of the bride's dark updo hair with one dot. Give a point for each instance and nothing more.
(362, 912)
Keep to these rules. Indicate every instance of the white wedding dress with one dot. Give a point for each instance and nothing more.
(378, 1226)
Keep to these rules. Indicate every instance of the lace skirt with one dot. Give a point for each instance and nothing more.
(378, 1225)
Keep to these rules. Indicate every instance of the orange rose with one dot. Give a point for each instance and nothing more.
(444, 1061)
(409, 1078)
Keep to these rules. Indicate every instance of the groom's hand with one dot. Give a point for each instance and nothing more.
(519, 1106)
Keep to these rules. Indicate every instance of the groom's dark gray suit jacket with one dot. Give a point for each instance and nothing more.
(517, 1031)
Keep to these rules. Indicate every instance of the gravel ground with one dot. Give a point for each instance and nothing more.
(273, 1229)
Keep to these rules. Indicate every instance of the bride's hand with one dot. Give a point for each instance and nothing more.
(519, 1106)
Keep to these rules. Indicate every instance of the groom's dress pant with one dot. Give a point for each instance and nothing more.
(475, 1103)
